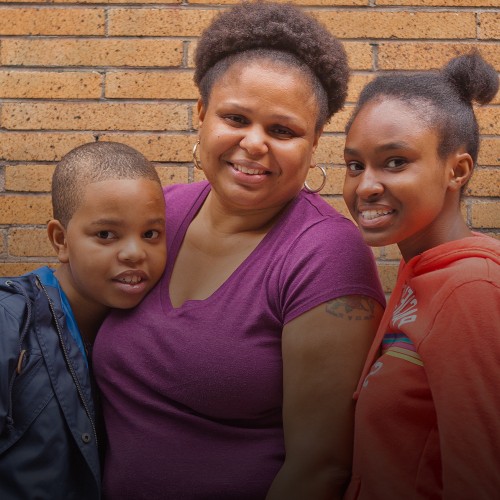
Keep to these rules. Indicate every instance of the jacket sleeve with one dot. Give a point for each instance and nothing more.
(10, 324)
(462, 362)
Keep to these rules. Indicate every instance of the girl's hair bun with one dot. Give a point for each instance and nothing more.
(472, 77)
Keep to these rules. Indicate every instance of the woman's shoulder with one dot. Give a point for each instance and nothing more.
(313, 217)
(184, 191)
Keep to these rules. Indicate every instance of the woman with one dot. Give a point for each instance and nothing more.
(427, 421)
(234, 378)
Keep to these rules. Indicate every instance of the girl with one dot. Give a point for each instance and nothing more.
(427, 417)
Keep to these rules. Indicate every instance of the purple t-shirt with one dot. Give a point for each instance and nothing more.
(192, 396)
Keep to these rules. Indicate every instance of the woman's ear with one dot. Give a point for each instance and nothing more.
(57, 237)
(201, 111)
(461, 171)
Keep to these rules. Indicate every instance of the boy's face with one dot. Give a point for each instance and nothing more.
(115, 245)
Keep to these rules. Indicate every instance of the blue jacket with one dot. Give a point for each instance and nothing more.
(48, 435)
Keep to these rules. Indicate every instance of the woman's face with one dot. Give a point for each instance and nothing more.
(396, 187)
(258, 135)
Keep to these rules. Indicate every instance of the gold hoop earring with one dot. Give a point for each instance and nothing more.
(323, 182)
(196, 162)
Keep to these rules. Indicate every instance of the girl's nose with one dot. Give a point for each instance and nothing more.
(369, 186)
(254, 141)
(132, 251)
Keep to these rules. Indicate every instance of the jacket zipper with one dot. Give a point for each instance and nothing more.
(68, 362)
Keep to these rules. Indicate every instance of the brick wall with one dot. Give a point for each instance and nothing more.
(121, 70)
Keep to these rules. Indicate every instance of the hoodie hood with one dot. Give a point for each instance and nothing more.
(478, 245)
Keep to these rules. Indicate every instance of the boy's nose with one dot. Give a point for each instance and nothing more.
(132, 251)
(254, 141)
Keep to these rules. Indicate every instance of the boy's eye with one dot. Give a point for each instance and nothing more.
(105, 235)
(151, 234)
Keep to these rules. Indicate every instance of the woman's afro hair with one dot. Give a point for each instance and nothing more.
(276, 27)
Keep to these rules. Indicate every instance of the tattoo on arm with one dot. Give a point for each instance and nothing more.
(353, 307)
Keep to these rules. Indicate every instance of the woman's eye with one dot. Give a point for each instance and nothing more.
(354, 166)
(283, 131)
(151, 234)
(396, 163)
(237, 119)
(105, 235)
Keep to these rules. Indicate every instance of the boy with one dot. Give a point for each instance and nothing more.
(109, 235)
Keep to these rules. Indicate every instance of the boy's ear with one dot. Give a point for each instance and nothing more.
(461, 172)
(57, 238)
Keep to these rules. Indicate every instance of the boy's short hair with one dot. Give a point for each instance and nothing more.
(94, 162)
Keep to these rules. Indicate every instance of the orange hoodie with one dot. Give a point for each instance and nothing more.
(428, 409)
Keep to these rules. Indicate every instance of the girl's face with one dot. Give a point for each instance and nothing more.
(397, 188)
(257, 136)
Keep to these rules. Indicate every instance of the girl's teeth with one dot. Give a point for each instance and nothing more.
(373, 214)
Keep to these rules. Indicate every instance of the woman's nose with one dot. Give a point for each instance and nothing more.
(254, 141)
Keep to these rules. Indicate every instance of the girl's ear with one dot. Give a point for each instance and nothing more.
(461, 172)
(57, 236)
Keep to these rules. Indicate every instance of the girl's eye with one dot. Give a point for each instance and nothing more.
(105, 235)
(151, 234)
(396, 163)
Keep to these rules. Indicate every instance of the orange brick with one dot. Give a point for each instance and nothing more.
(327, 3)
(50, 85)
(173, 175)
(338, 121)
(485, 214)
(2, 243)
(391, 252)
(489, 120)
(28, 177)
(388, 274)
(356, 85)
(30, 242)
(157, 147)
(384, 24)
(484, 182)
(330, 150)
(18, 268)
(140, 2)
(441, 3)
(490, 25)
(489, 153)
(151, 85)
(360, 55)
(166, 21)
(40, 146)
(50, 21)
(93, 116)
(93, 52)
(418, 56)
(334, 180)
(27, 209)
